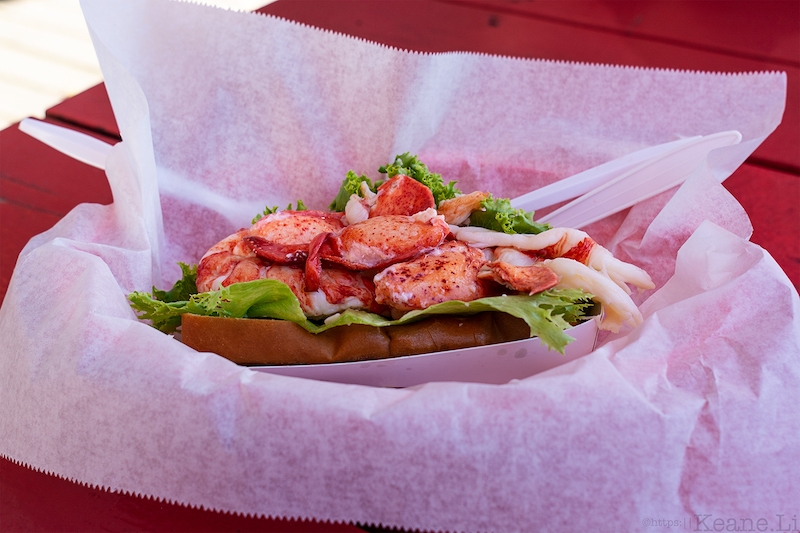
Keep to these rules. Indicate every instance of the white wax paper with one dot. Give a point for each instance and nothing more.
(692, 416)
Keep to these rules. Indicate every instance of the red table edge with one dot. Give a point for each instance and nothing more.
(789, 169)
(31, 492)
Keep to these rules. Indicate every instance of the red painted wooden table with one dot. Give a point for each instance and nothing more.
(38, 185)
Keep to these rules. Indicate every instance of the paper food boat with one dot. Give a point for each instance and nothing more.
(494, 364)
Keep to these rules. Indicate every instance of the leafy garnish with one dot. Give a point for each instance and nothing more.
(351, 184)
(153, 306)
(547, 313)
(498, 215)
(270, 210)
(264, 298)
(183, 288)
(267, 211)
(411, 166)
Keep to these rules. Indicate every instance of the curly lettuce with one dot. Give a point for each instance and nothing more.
(183, 288)
(351, 184)
(270, 210)
(264, 298)
(498, 215)
(495, 213)
(547, 314)
(411, 166)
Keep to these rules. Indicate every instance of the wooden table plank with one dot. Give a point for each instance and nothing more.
(38, 185)
(36, 176)
(17, 225)
(485, 27)
(771, 199)
(765, 30)
(35, 501)
(90, 109)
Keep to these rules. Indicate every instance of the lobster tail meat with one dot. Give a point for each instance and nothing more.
(531, 279)
(382, 241)
(449, 272)
(284, 254)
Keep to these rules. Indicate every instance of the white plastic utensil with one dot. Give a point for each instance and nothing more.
(585, 181)
(644, 181)
(75, 144)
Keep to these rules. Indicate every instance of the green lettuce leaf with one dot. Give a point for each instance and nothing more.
(263, 298)
(160, 306)
(267, 211)
(547, 314)
(270, 210)
(498, 215)
(411, 166)
(351, 184)
(183, 288)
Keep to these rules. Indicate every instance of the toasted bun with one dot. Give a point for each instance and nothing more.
(277, 342)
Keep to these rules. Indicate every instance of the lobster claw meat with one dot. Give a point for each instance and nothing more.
(402, 195)
(377, 242)
(274, 252)
(530, 279)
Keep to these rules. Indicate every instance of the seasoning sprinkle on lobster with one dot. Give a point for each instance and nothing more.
(413, 243)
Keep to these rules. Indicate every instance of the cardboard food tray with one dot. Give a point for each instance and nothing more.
(485, 347)
(494, 364)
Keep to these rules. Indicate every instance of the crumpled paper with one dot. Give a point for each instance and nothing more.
(689, 418)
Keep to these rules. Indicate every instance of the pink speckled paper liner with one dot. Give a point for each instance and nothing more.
(692, 413)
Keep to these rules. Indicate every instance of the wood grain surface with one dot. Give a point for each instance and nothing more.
(38, 186)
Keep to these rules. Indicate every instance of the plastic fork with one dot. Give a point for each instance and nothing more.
(644, 181)
(586, 181)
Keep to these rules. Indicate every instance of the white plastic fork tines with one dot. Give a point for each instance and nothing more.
(652, 177)
(588, 180)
